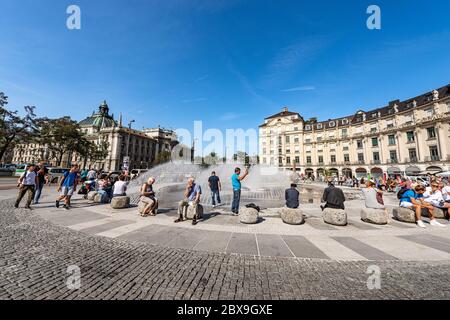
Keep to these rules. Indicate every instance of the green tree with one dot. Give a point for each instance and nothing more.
(15, 129)
(62, 137)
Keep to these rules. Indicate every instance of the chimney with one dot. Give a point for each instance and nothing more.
(285, 109)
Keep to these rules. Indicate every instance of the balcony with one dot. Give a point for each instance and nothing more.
(375, 162)
(393, 161)
(411, 160)
(432, 158)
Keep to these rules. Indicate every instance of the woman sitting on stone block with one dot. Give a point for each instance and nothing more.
(373, 197)
(149, 198)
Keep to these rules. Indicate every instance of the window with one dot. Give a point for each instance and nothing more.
(333, 159)
(308, 141)
(448, 106)
(296, 140)
(308, 160)
(412, 155)
(297, 159)
(288, 160)
(295, 128)
(429, 112)
(374, 142)
(431, 133)
(332, 123)
(393, 156)
(280, 160)
(391, 139)
(373, 129)
(410, 136)
(264, 151)
(307, 127)
(344, 121)
(434, 153)
(319, 139)
(320, 159)
(346, 157)
(376, 157)
(345, 148)
(344, 132)
(319, 126)
(288, 150)
(361, 157)
(288, 140)
(359, 144)
(280, 150)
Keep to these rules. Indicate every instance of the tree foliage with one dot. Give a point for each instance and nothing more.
(16, 129)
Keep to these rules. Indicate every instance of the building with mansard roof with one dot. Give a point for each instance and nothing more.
(410, 137)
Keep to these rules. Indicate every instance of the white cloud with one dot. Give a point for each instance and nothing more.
(304, 88)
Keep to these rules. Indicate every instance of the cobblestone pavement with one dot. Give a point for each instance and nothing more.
(35, 255)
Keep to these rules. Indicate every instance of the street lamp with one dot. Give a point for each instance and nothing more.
(128, 143)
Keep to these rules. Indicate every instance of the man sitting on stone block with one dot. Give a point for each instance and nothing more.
(435, 198)
(192, 195)
(413, 199)
(333, 197)
(291, 196)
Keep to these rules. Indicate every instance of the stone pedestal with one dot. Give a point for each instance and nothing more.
(404, 215)
(336, 217)
(248, 215)
(437, 213)
(91, 195)
(292, 216)
(120, 202)
(191, 212)
(374, 216)
(101, 198)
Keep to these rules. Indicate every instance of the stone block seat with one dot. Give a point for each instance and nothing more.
(248, 215)
(292, 216)
(101, 198)
(190, 212)
(374, 216)
(437, 213)
(91, 195)
(404, 215)
(336, 217)
(120, 202)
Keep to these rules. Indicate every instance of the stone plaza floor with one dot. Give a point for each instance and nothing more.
(124, 256)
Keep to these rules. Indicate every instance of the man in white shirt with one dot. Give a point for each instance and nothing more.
(27, 183)
(435, 198)
(445, 190)
(120, 187)
(92, 174)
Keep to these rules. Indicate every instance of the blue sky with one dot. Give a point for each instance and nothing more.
(229, 63)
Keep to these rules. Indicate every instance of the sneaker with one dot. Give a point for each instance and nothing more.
(436, 223)
(194, 222)
(66, 207)
(421, 224)
(16, 206)
(178, 220)
(57, 204)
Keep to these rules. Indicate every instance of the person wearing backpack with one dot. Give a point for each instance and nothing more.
(27, 183)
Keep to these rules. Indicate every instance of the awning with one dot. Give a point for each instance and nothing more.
(412, 171)
(394, 170)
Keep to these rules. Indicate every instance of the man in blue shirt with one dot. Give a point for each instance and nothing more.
(215, 186)
(192, 195)
(236, 179)
(67, 186)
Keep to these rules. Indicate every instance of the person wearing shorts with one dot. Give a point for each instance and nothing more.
(413, 199)
(67, 186)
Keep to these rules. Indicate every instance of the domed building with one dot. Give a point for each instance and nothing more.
(127, 147)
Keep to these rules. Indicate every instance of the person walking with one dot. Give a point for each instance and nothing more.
(27, 183)
(215, 186)
(67, 186)
(236, 179)
(42, 174)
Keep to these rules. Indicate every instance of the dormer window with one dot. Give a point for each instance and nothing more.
(319, 126)
(332, 124)
(308, 127)
(344, 121)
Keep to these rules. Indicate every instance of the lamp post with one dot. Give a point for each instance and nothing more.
(128, 143)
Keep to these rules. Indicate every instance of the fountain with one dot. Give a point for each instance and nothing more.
(264, 185)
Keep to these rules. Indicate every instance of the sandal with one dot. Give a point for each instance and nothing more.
(178, 220)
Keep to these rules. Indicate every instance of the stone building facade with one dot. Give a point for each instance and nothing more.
(410, 137)
(140, 147)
